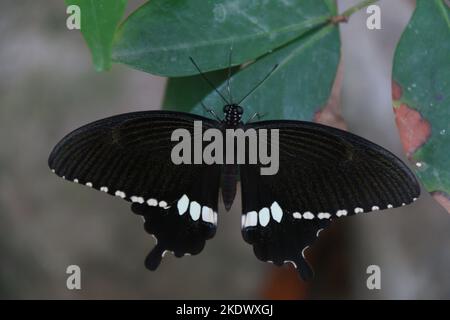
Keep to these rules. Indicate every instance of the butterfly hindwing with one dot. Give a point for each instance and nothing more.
(183, 226)
(324, 174)
(129, 156)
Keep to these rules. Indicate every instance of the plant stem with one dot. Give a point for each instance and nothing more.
(343, 17)
(347, 13)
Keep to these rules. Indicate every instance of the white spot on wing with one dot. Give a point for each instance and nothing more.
(120, 194)
(390, 206)
(75, 180)
(277, 212)
(207, 214)
(359, 210)
(252, 219)
(264, 217)
(104, 189)
(341, 213)
(183, 204)
(194, 210)
(323, 215)
(297, 215)
(152, 202)
(375, 208)
(308, 215)
(89, 184)
(137, 199)
(163, 204)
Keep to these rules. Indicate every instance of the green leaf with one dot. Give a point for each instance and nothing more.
(298, 88)
(332, 6)
(183, 93)
(99, 20)
(160, 36)
(421, 93)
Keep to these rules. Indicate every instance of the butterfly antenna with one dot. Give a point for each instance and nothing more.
(210, 111)
(208, 81)
(229, 75)
(256, 115)
(259, 83)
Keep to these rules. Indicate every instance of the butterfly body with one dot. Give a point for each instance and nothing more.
(324, 174)
(232, 116)
(230, 172)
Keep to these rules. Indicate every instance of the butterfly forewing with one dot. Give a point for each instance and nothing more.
(129, 156)
(324, 173)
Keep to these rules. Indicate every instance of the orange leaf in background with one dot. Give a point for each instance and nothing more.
(396, 91)
(414, 129)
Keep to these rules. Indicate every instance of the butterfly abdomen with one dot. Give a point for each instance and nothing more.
(228, 184)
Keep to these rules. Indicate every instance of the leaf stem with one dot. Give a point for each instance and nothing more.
(343, 17)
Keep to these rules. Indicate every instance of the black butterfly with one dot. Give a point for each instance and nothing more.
(324, 174)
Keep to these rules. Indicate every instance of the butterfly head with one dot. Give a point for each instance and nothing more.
(233, 114)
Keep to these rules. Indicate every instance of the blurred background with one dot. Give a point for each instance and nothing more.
(48, 87)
